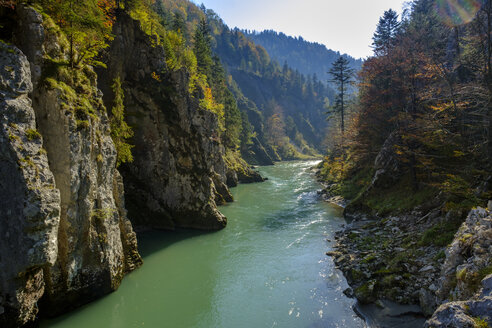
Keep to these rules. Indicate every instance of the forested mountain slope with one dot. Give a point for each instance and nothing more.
(309, 58)
(284, 107)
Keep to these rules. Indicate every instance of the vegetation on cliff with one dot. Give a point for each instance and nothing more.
(257, 82)
(120, 131)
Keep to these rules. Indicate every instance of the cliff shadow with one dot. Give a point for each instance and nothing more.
(152, 241)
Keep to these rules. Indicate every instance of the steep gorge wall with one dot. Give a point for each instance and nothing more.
(178, 174)
(65, 236)
(29, 202)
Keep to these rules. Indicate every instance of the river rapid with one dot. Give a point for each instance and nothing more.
(267, 268)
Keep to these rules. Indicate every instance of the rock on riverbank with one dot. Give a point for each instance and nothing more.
(465, 288)
(384, 259)
(394, 259)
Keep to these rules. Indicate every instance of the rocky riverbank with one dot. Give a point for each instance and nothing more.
(404, 259)
(385, 259)
(412, 244)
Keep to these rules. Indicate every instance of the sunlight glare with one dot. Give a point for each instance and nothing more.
(457, 12)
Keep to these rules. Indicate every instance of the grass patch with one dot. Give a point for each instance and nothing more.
(349, 184)
(442, 234)
(356, 183)
(482, 273)
(399, 198)
(33, 134)
(102, 215)
(82, 124)
(386, 270)
(473, 280)
(369, 258)
(480, 323)
(396, 199)
(440, 255)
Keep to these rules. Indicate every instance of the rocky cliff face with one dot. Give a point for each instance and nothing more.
(468, 258)
(178, 174)
(65, 235)
(468, 262)
(30, 203)
(472, 313)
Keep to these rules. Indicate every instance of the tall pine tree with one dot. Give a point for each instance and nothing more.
(341, 74)
(202, 48)
(385, 35)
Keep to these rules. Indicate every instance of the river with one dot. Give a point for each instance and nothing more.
(268, 268)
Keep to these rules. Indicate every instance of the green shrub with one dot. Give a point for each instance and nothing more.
(121, 132)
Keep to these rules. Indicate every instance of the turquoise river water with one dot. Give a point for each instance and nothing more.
(268, 268)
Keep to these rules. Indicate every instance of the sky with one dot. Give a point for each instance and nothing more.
(342, 25)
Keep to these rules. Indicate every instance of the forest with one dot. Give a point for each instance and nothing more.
(425, 98)
(310, 58)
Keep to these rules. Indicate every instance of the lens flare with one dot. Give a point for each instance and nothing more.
(457, 12)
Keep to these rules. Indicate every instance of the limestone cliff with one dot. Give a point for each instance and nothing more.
(30, 203)
(178, 174)
(471, 313)
(65, 235)
(468, 266)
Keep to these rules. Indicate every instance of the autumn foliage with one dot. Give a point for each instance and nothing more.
(431, 85)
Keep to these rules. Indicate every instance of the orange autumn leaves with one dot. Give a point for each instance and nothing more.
(108, 8)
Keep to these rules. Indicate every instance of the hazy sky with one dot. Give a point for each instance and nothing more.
(343, 25)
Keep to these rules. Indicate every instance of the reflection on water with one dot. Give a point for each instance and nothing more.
(266, 269)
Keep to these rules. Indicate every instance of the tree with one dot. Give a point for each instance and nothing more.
(232, 117)
(275, 125)
(87, 25)
(130, 4)
(202, 48)
(179, 24)
(341, 75)
(386, 31)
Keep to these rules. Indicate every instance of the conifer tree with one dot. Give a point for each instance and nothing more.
(179, 24)
(202, 48)
(341, 75)
(385, 35)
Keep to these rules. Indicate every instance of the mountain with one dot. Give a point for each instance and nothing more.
(309, 58)
(284, 107)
